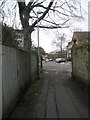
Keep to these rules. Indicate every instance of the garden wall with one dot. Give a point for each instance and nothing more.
(80, 63)
(17, 72)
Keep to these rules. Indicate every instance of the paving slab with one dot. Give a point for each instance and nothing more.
(59, 96)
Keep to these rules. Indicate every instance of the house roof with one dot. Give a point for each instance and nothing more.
(81, 35)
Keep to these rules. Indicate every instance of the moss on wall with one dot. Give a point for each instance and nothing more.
(80, 62)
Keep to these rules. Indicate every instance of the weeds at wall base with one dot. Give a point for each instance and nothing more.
(81, 83)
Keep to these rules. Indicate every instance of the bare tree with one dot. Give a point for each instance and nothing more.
(59, 41)
(55, 14)
(24, 12)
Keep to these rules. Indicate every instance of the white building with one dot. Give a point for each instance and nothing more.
(20, 37)
(69, 46)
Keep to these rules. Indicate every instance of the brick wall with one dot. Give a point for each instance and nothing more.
(80, 63)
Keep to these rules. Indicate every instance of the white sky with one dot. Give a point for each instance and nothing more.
(47, 36)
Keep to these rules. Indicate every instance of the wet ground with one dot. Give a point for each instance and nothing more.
(56, 96)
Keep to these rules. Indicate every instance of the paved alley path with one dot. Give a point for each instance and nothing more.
(58, 97)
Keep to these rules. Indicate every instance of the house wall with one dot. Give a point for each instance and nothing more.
(68, 53)
(17, 72)
(80, 63)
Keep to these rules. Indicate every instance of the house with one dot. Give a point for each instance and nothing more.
(53, 55)
(79, 38)
(20, 37)
(69, 47)
(57, 54)
(62, 54)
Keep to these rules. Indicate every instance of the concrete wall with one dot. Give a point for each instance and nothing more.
(0, 81)
(17, 71)
(80, 63)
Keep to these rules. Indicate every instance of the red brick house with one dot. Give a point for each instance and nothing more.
(79, 38)
(69, 47)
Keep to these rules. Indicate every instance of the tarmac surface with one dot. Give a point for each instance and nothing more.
(57, 96)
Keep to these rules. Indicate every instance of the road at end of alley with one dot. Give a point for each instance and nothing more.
(58, 96)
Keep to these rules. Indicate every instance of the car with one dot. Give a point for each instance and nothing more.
(47, 60)
(63, 60)
(58, 60)
(50, 59)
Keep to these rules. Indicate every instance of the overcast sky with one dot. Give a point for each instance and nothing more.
(47, 36)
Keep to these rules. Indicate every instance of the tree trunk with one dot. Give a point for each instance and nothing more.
(27, 40)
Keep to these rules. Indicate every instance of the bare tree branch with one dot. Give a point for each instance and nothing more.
(3, 3)
(56, 14)
(51, 22)
(52, 27)
(41, 17)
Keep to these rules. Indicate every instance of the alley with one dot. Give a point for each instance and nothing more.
(58, 96)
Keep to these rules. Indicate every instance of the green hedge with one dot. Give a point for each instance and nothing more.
(8, 36)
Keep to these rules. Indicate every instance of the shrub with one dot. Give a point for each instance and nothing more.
(68, 59)
(8, 36)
